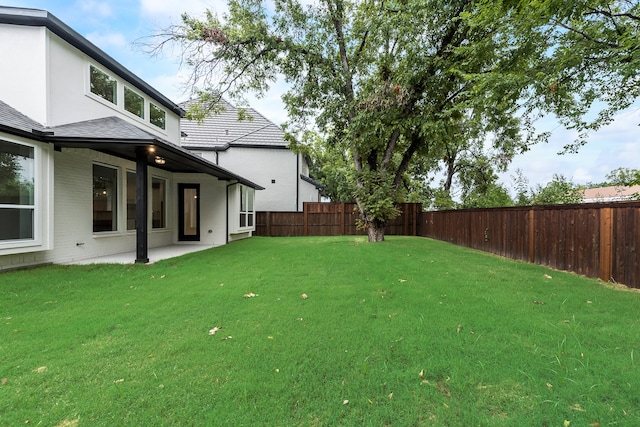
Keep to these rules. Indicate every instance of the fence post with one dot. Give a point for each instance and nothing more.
(532, 236)
(305, 217)
(342, 219)
(606, 244)
(268, 219)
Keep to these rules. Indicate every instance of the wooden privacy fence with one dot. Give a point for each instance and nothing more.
(331, 219)
(600, 240)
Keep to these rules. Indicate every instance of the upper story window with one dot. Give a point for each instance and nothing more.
(103, 85)
(157, 116)
(133, 103)
(17, 188)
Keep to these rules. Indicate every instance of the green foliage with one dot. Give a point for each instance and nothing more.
(624, 177)
(559, 190)
(13, 188)
(589, 71)
(393, 84)
(411, 332)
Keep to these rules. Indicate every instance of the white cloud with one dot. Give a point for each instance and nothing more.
(93, 6)
(108, 40)
(170, 10)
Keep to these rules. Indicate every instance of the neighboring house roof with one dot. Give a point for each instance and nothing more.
(42, 18)
(219, 131)
(117, 137)
(611, 193)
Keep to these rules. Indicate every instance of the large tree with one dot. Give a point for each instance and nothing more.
(592, 63)
(396, 84)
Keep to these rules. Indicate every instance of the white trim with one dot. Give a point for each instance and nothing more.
(42, 201)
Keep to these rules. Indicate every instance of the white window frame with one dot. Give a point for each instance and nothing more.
(98, 96)
(237, 209)
(42, 201)
(145, 104)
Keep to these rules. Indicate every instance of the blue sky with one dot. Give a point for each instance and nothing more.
(114, 24)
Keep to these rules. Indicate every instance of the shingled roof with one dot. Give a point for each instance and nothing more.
(222, 130)
(12, 119)
(115, 136)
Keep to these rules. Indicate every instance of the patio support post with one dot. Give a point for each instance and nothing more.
(142, 196)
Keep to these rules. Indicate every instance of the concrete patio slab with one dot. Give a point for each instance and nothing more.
(155, 254)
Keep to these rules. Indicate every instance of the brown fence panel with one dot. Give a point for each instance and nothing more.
(595, 240)
(626, 246)
(279, 224)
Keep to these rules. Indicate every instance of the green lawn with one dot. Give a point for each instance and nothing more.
(409, 332)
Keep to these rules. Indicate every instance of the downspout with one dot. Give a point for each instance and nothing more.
(227, 213)
(297, 181)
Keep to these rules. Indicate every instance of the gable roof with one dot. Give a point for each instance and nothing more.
(42, 18)
(220, 131)
(115, 136)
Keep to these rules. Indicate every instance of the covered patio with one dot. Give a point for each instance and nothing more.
(155, 254)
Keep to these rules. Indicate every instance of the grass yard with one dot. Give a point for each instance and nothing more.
(409, 332)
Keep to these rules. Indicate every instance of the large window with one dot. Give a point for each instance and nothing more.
(131, 200)
(105, 198)
(158, 202)
(157, 116)
(133, 103)
(103, 85)
(246, 206)
(17, 182)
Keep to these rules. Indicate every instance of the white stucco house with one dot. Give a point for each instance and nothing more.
(257, 150)
(90, 156)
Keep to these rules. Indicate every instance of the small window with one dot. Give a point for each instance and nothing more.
(133, 103)
(158, 200)
(105, 198)
(17, 182)
(103, 85)
(131, 200)
(157, 116)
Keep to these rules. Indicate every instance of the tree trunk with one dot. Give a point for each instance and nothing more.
(375, 232)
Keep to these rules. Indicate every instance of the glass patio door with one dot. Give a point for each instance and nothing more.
(189, 212)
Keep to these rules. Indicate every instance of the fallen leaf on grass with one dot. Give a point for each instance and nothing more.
(402, 280)
(596, 424)
(549, 385)
(577, 407)
(4, 381)
(566, 423)
(390, 395)
(344, 402)
(121, 380)
(227, 338)
(459, 327)
(546, 276)
(539, 302)
(214, 330)
(589, 302)
(69, 423)
(421, 374)
(250, 295)
(40, 370)
(304, 296)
